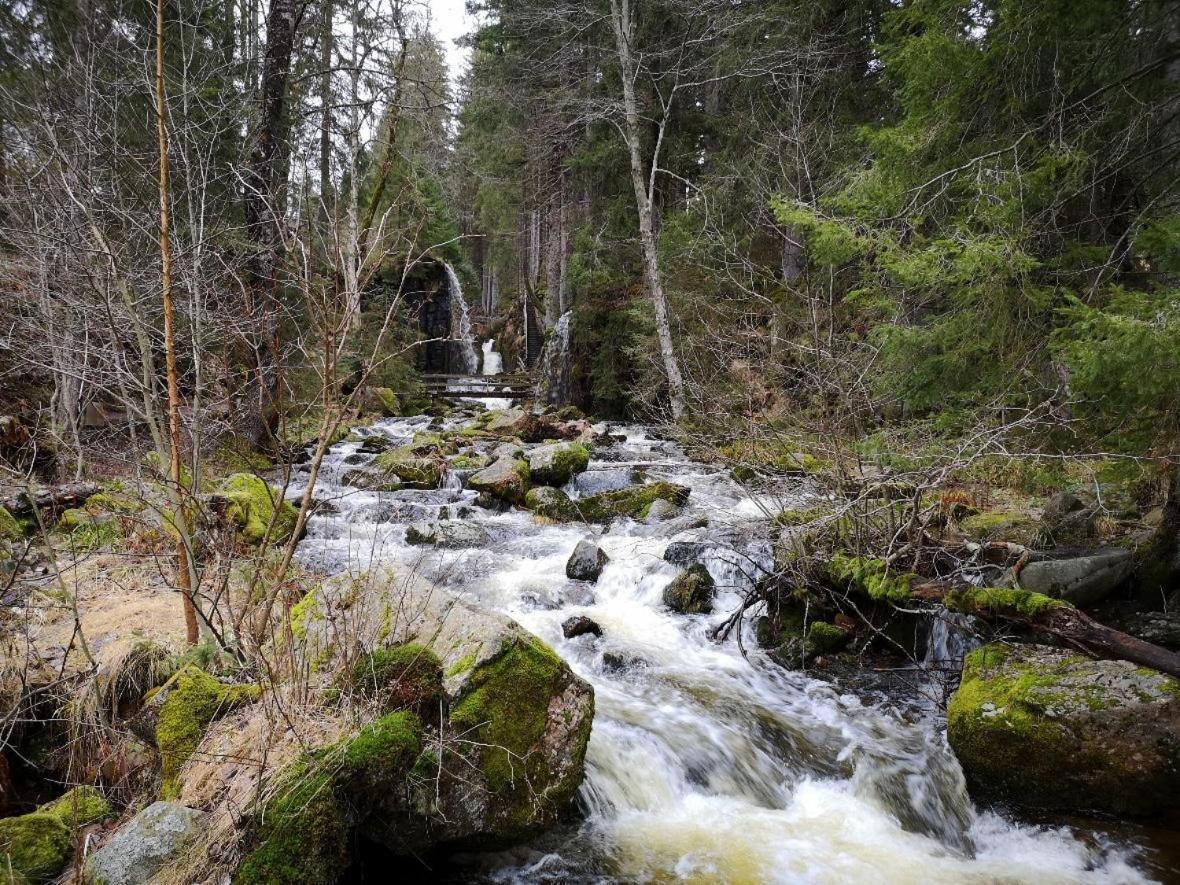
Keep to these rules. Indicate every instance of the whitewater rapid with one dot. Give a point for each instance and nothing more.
(704, 765)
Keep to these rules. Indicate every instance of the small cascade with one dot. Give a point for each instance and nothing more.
(493, 363)
(553, 384)
(461, 338)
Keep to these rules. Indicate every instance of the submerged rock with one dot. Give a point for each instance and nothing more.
(143, 846)
(446, 533)
(691, 593)
(1041, 727)
(661, 509)
(685, 553)
(586, 562)
(1081, 581)
(580, 625)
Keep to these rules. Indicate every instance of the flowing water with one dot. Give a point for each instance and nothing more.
(461, 324)
(553, 367)
(704, 765)
(493, 363)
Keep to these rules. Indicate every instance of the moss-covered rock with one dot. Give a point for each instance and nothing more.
(413, 471)
(870, 577)
(251, 505)
(78, 806)
(36, 845)
(10, 529)
(188, 702)
(506, 479)
(550, 503)
(1040, 727)
(691, 592)
(557, 463)
(402, 677)
(516, 708)
(1001, 525)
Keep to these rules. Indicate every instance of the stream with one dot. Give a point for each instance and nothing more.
(704, 765)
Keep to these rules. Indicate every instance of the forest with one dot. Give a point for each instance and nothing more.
(633, 441)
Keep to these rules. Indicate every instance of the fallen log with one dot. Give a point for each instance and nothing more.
(55, 497)
(1045, 616)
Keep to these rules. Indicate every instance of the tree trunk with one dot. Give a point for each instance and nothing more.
(623, 23)
(179, 517)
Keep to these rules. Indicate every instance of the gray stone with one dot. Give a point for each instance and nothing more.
(556, 463)
(507, 479)
(691, 593)
(586, 562)
(144, 845)
(580, 625)
(1082, 581)
(684, 553)
(446, 533)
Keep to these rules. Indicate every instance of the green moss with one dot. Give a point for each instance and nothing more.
(414, 471)
(304, 611)
(194, 700)
(36, 845)
(551, 503)
(506, 708)
(823, 638)
(871, 577)
(632, 502)
(469, 462)
(302, 835)
(999, 525)
(568, 459)
(390, 407)
(9, 528)
(462, 665)
(999, 601)
(383, 750)
(403, 677)
(426, 766)
(79, 806)
(251, 506)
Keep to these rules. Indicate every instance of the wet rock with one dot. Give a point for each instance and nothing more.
(551, 503)
(661, 510)
(413, 471)
(507, 479)
(685, 553)
(617, 662)
(1082, 581)
(580, 625)
(372, 480)
(449, 533)
(556, 463)
(1041, 727)
(145, 845)
(691, 593)
(586, 562)
(634, 503)
(503, 422)
(376, 444)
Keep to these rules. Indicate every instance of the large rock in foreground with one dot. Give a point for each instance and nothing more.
(1082, 581)
(453, 729)
(506, 479)
(1044, 728)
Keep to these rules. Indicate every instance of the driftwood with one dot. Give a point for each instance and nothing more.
(1061, 622)
(56, 497)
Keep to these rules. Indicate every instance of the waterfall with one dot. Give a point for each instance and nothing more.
(553, 383)
(461, 340)
(493, 364)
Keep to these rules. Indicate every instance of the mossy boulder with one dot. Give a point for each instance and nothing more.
(506, 479)
(10, 529)
(1044, 728)
(1001, 525)
(413, 471)
(518, 708)
(551, 503)
(402, 677)
(186, 704)
(449, 533)
(557, 463)
(691, 592)
(870, 577)
(251, 505)
(36, 846)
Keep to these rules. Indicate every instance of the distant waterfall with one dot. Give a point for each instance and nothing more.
(553, 375)
(461, 340)
(493, 363)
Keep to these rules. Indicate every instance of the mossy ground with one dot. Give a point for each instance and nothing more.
(252, 505)
(194, 700)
